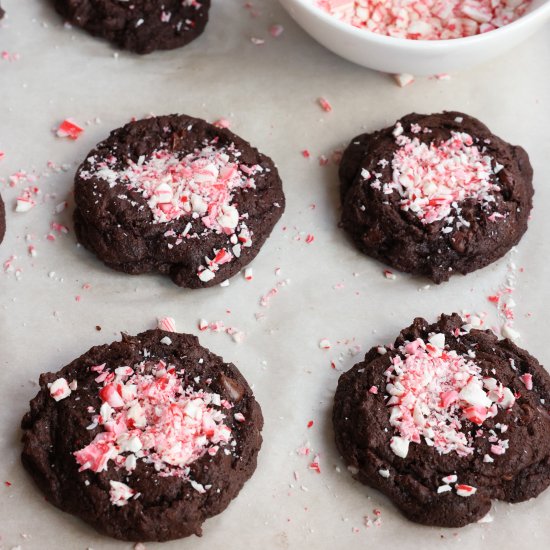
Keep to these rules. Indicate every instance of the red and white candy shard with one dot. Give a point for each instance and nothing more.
(25, 201)
(527, 380)
(432, 390)
(426, 19)
(324, 343)
(166, 323)
(120, 493)
(151, 417)
(59, 389)
(70, 129)
(200, 186)
(433, 179)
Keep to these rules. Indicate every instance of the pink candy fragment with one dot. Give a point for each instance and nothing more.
(324, 343)
(465, 490)
(60, 389)
(120, 493)
(431, 390)
(325, 105)
(404, 79)
(148, 414)
(69, 129)
(276, 30)
(199, 186)
(167, 323)
(432, 179)
(222, 123)
(527, 380)
(26, 200)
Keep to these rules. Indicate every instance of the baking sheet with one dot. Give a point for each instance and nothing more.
(325, 288)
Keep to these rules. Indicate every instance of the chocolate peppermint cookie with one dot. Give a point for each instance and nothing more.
(435, 194)
(178, 196)
(144, 438)
(2, 219)
(446, 419)
(139, 25)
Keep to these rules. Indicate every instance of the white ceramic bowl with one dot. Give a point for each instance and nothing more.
(417, 57)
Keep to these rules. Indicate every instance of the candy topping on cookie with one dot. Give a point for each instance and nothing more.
(147, 414)
(200, 186)
(120, 493)
(432, 390)
(465, 490)
(433, 179)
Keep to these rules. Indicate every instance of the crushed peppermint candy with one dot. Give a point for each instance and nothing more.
(315, 464)
(219, 326)
(166, 323)
(222, 123)
(60, 389)
(453, 478)
(527, 380)
(461, 489)
(147, 414)
(403, 79)
(426, 19)
(120, 493)
(325, 104)
(511, 333)
(432, 390)
(324, 343)
(465, 490)
(198, 186)
(69, 129)
(432, 179)
(504, 301)
(26, 200)
(400, 446)
(276, 30)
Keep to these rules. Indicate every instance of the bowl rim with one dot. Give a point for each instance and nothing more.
(421, 45)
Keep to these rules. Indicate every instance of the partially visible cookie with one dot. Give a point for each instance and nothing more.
(144, 438)
(177, 196)
(446, 419)
(141, 26)
(435, 194)
(2, 219)
(2, 13)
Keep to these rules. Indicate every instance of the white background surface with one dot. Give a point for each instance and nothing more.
(269, 93)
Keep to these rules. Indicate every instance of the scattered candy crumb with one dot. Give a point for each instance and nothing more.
(69, 129)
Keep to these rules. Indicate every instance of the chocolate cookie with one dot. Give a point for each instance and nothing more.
(139, 25)
(144, 438)
(2, 13)
(445, 420)
(435, 194)
(178, 196)
(2, 219)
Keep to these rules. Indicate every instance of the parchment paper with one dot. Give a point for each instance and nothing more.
(325, 288)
